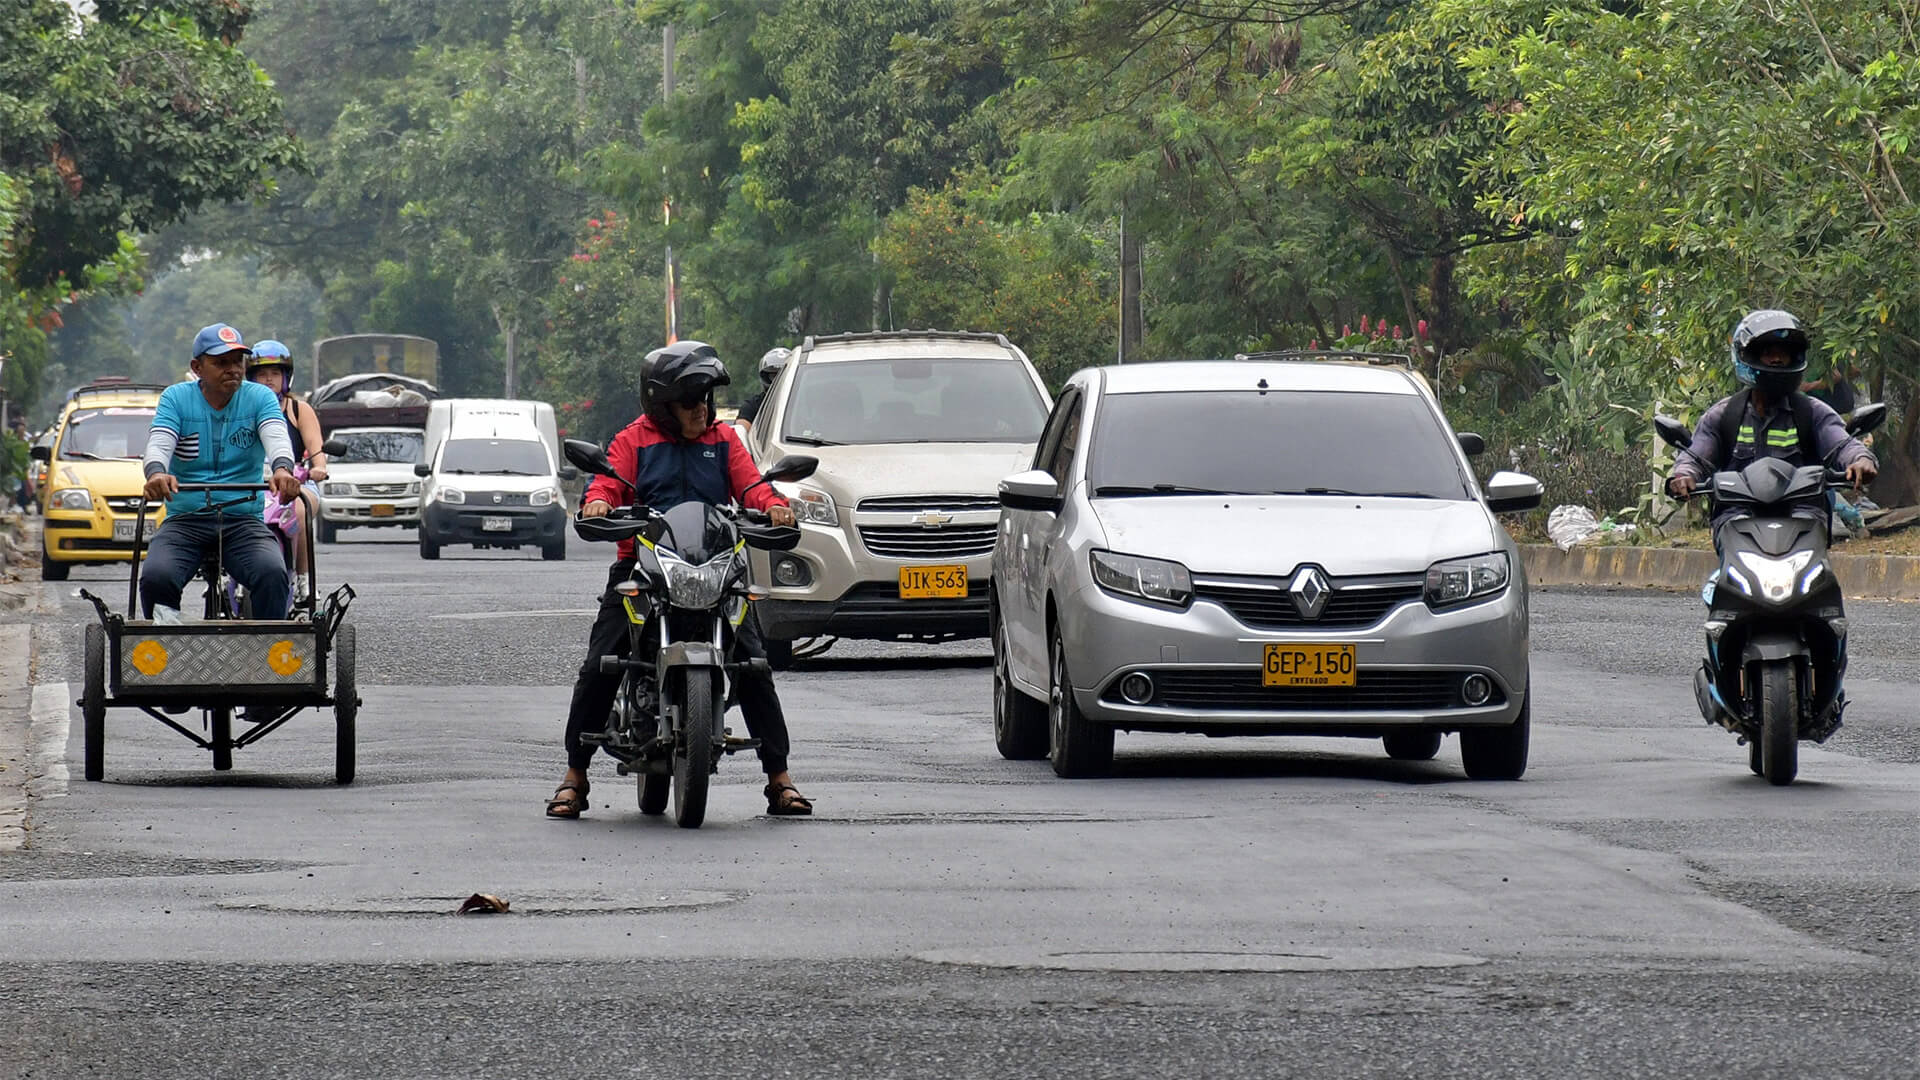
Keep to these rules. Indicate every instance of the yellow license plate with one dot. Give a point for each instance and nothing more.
(933, 583)
(380, 510)
(1308, 665)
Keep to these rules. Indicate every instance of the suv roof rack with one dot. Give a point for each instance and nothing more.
(114, 388)
(904, 335)
(1378, 359)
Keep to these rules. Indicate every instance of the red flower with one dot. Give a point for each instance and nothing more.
(1397, 335)
(1420, 328)
(1364, 324)
(1346, 329)
(587, 404)
(1313, 344)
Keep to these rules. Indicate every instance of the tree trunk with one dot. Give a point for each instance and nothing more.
(1132, 325)
(509, 336)
(1406, 292)
(1899, 481)
(1441, 290)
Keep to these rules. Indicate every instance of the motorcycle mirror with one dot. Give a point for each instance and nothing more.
(1673, 432)
(588, 457)
(334, 447)
(792, 467)
(1867, 417)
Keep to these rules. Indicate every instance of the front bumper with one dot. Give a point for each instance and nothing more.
(93, 536)
(853, 593)
(352, 510)
(1206, 668)
(443, 523)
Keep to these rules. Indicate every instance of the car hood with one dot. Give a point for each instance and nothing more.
(1274, 535)
(371, 472)
(852, 473)
(103, 478)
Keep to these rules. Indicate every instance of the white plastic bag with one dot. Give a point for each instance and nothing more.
(1570, 525)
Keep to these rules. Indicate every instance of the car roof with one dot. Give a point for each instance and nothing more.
(1176, 376)
(905, 344)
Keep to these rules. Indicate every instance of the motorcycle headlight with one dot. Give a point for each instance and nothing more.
(336, 489)
(71, 499)
(1157, 581)
(814, 506)
(1774, 579)
(696, 587)
(1462, 581)
(450, 495)
(544, 497)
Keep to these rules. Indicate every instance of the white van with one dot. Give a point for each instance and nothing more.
(492, 478)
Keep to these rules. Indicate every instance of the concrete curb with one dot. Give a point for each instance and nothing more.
(19, 601)
(1871, 577)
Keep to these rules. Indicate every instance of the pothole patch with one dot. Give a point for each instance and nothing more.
(522, 904)
(993, 817)
(1198, 960)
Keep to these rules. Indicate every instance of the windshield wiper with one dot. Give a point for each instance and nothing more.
(502, 472)
(88, 455)
(1159, 489)
(1358, 494)
(810, 440)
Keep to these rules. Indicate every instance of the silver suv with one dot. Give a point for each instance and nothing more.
(913, 430)
(1258, 548)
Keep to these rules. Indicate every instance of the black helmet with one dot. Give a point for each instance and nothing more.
(684, 371)
(1763, 328)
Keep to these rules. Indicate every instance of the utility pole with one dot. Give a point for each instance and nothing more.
(667, 39)
(1131, 327)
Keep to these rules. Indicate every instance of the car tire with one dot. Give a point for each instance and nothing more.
(327, 531)
(53, 571)
(1412, 745)
(1498, 753)
(428, 549)
(556, 551)
(1077, 746)
(1020, 729)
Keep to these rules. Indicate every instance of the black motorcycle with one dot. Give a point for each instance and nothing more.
(1776, 621)
(687, 595)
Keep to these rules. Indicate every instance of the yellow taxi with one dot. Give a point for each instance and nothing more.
(94, 477)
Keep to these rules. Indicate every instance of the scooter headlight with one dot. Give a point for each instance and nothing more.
(696, 587)
(1774, 579)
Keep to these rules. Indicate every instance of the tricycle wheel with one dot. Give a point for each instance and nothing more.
(346, 706)
(93, 701)
(222, 738)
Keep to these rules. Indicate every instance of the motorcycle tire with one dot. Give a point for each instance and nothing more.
(693, 758)
(1779, 722)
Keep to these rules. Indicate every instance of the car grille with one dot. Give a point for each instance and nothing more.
(1239, 690)
(915, 542)
(1349, 607)
(480, 500)
(379, 491)
(123, 504)
(883, 598)
(916, 504)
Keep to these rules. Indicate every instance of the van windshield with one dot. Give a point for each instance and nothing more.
(506, 457)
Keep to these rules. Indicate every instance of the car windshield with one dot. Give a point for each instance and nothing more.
(115, 434)
(510, 457)
(914, 401)
(393, 447)
(1242, 442)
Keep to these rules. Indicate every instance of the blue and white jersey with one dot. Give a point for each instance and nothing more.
(200, 444)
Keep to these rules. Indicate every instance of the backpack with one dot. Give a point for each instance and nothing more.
(1802, 407)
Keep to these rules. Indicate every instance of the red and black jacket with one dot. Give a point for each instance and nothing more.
(714, 469)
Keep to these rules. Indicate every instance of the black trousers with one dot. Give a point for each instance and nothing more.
(252, 556)
(593, 691)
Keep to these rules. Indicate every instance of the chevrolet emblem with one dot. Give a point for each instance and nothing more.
(932, 519)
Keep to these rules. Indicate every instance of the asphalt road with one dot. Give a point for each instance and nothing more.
(1639, 906)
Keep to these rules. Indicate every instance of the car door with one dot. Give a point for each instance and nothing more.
(1033, 533)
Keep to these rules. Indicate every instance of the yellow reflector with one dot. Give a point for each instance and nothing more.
(283, 660)
(149, 658)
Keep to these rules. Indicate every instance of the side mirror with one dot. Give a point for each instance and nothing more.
(333, 447)
(568, 472)
(1673, 432)
(1472, 445)
(587, 457)
(792, 467)
(41, 453)
(1513, 493)
(1867, 417)
(1034, 490)
(423, 469)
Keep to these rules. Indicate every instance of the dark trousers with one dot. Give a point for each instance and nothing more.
(593, 691)
(251, 553)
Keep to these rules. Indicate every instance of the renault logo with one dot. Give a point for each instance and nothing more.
(1310, 590)
(932, 519)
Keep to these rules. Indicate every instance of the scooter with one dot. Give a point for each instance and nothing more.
(1776, 623)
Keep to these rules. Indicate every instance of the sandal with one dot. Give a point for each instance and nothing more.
(785, 800)
(571, 805)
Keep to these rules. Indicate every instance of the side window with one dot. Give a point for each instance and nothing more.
(1050, 434)
(1059, 459)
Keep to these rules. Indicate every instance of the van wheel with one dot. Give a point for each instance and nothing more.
(327, 530)
(428, 549)
(556, 551)
(53, 571)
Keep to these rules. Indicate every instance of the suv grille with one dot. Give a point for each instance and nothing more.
(1239, 690)
(380, 490)
(1349, 607)
(915, 542)
(915, 504)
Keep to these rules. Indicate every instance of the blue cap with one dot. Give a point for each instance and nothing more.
(217, 339)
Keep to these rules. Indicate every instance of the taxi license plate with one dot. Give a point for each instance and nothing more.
(496, 524)
(933, 583)
(1308, 665)
(123, 532)
(380, 510)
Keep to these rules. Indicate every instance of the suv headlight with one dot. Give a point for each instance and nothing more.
(331, 488)
(696, 587)
(544, 497)
(1157, 581)
(813, 506)
(1462, 581)
(1774, 578)
(450, 495)
(71, 499)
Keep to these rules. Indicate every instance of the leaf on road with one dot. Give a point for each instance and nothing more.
(482, 904)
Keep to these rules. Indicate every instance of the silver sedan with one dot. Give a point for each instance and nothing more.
(1258, 548)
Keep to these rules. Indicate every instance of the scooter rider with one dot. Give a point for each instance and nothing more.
(770, 364)
(1771, 418)
(218, 429)
(676, 453)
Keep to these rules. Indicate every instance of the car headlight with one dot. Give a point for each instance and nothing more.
(1774, 578)
(1462, 581)
(413, 488)
(450, 495)
(336, 489)
(544, 497)
(813, 506)
(696, 587)
(1156, 581)
(71, 499)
